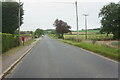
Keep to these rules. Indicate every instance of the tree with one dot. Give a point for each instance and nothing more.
(31, 32)
(61, 27)
(38, 32)
(111, 19)
(10, 19)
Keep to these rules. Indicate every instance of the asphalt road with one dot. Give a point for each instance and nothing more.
(54, 59)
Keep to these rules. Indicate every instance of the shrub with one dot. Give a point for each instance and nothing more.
(9, 41)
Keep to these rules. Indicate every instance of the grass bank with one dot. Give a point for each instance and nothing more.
(99, 49)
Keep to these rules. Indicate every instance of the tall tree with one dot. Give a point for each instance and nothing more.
(61, 27)
(38, 32)
(10, 17)
(111, 19)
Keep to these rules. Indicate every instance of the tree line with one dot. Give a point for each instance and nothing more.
(110, 21)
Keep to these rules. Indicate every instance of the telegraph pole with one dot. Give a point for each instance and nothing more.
(19, 22)
(77, 18)
(85, 25)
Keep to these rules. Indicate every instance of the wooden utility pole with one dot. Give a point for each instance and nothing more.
(19, 23)
(85, 25)
(77, 18)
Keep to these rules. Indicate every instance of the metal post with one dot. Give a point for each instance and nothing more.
(85, 25)
(77, 19)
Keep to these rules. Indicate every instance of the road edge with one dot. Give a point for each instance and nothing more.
(16, 62)
(92, 53)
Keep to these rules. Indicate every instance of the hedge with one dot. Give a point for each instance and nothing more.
(9, 41)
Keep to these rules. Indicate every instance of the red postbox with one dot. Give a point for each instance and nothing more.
(23, 38)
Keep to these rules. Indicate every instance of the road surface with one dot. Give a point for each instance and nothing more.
(54, 59)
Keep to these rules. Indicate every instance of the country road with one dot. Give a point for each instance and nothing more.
(54, 59)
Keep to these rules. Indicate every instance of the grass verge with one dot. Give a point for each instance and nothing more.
(15, 49)
(29, 42)
(99, 49)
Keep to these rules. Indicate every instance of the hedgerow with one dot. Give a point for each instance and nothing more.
(9, 41)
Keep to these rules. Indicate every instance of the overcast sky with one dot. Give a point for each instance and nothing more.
(43, 13)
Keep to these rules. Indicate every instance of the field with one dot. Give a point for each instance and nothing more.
(88, 32)
(92, 36)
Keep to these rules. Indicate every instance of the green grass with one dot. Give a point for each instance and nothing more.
(99, 49)
(29, 42)
(15, 49)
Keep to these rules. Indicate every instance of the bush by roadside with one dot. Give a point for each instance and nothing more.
(9, 41)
